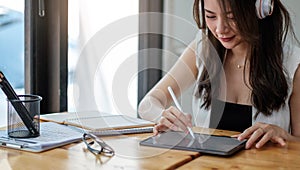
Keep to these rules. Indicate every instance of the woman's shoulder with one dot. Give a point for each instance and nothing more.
(291, 58)
(200, 35)
(291, 53)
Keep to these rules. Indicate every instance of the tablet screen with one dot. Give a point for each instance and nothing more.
(220, 145)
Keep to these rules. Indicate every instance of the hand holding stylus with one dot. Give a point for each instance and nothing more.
(179, 108)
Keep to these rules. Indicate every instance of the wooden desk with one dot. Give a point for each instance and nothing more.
(130, 155)
(271, 156)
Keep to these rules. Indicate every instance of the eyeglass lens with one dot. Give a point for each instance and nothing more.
(97, 146)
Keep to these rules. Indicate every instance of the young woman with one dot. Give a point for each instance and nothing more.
(252, 86)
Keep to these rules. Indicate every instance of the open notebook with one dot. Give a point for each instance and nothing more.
(102, 123)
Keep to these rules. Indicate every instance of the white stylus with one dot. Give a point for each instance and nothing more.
(179, 108)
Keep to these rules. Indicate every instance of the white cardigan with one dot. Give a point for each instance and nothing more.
(281, 118)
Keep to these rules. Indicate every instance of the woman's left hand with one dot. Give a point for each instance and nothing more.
(261, 133)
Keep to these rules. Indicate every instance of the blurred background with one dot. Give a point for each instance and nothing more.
(85, 19)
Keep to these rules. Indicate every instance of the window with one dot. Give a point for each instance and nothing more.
(88, 20)
(11, 48)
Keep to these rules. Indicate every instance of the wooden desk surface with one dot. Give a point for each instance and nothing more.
(270, 157)
(130, 155)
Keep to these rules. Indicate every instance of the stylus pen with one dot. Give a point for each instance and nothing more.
(179, 108)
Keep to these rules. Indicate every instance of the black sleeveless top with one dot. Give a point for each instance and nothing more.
(235, 117)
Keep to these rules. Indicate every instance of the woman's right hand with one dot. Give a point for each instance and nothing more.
(173, 119)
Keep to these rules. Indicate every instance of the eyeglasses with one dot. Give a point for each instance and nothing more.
(97, 146)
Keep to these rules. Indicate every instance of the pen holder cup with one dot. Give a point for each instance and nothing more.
(30, 105)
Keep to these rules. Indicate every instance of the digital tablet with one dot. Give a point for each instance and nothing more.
(203, 143)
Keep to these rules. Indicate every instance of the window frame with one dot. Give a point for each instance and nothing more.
(147, 78)
(46, 53)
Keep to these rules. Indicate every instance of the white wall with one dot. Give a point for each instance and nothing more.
(293, 7)
(182, 10)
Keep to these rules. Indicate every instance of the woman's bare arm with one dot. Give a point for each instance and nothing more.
(295, 106)
(180, 77)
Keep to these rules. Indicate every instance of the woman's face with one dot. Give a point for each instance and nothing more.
(221, 24)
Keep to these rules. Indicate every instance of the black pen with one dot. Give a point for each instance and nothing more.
(19, 107)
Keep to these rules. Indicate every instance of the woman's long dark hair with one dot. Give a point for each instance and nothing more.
(266, 38)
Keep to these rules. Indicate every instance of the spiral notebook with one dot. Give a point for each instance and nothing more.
(102, 124)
